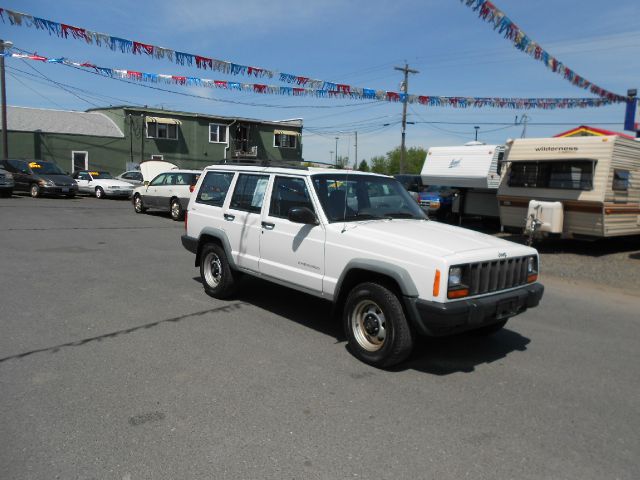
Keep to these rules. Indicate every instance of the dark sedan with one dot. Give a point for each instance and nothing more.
(39, 177)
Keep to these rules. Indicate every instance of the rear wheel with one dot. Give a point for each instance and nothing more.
(99, 192)
(34, 190)
(376, 326)
(138, 206)
(176, 210)
(218, 279)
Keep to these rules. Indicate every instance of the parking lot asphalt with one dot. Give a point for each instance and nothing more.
(115, 364)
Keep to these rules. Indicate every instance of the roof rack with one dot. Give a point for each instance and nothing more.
(294, 164)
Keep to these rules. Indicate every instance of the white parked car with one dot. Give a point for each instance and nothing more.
(169, 191)
(101, 184)
(360, 241)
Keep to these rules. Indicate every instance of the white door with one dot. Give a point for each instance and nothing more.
(150, 194)
(243, 219)
(83, 179)
(291, 252)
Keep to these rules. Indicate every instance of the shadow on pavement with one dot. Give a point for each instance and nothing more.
(462, 353)
(436, 356)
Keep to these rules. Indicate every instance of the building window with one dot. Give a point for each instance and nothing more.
(621, 180)
(562, 175)
(284, 140)
(217, 133)
(168, 131)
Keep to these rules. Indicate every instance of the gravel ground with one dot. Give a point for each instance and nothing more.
(612, 263)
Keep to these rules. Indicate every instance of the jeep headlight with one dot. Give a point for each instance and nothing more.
(455, 287)
(455, 276)
(532, 269)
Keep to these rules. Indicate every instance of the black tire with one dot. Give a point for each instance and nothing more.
(377, 329)
(218, 279)
(138, 206)
(34, 190)
(175, 208)
(488, 329)
(6, 193)
(99, 193)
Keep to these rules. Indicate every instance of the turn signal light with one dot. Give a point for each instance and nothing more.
(459, 293)
(532, 277)
(436, 284)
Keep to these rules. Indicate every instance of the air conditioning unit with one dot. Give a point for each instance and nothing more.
(545, 217)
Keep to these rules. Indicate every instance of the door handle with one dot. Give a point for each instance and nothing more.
(268, 226)
(229, 218)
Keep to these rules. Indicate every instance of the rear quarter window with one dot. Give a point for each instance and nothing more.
(214, 188)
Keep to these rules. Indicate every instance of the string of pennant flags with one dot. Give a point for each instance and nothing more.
(123, 45)
(488, 12)
(355, 93)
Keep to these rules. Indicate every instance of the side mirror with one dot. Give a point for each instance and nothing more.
(146, 183)
(302, 215)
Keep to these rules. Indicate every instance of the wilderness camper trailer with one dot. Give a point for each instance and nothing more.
(473, 170)
(574, 187)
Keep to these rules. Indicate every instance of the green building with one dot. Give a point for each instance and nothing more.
(119, 138)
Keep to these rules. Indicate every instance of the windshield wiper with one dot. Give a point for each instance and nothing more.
(401, 215)
(365, 216)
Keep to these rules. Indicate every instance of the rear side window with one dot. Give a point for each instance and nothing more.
(249, 192)
(214, 188)
(288, 193)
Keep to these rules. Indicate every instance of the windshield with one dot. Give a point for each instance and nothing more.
(102, 175)
(349, 198)
(46, 168)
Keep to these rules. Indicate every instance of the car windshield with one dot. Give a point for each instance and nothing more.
(101, 175)
(350, 198)
(46, 168)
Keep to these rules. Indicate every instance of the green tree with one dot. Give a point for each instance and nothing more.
(379, 164)
(413, 160)
(364, 166)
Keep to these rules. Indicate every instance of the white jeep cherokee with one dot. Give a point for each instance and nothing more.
(359, 240)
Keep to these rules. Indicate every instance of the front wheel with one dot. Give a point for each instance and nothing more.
(176, 210)
(218, 279)
(34, 190)
(138, 206)
(376, 326)
(99, 192)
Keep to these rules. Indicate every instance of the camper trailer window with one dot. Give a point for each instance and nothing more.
(621, 180)
(572, 175)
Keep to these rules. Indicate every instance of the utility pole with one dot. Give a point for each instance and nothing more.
(477, 128)
(524, 120)
(336, 151)
(404, 89)
(356, 146)
(5, 138)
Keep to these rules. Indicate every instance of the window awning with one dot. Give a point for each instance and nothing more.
(170, 121)
(286, 132)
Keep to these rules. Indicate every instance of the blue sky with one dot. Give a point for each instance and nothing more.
(353, 42)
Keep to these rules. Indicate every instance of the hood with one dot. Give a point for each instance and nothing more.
(430, 238)
(62, 180)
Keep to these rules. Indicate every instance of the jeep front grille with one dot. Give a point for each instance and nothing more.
(485, 277)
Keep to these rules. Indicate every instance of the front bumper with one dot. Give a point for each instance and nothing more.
(59, 190)
(118, 193)
(437, 319)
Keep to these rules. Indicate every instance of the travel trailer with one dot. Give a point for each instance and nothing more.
(472, 171)
(576, 187)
